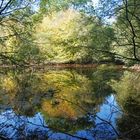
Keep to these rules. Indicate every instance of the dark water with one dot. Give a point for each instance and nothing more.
(101, 103)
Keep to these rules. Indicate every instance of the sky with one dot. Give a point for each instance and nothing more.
(109, 20)
(95, 2)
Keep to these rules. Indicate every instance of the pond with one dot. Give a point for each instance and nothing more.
(101, 103)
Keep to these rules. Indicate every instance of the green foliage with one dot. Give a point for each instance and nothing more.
(50, 6)
(127, 29)
(127, 89)
(16, 26)
(69, 36)
(68, 31)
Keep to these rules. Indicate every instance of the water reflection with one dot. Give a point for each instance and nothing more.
(128, 97)
(13, 126)
(63, 104)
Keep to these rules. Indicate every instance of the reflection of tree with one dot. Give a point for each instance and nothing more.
(71, 126)
(100, 78)
(68, 103)
(128, 89)
(20, 91)
(13, 126)
(65, 97)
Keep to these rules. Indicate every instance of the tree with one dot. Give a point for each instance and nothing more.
(16, 27)
(126, 26)
(75, 38)
(129, 18)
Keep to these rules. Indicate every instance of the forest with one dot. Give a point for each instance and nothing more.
(36, 32)
(70, 69)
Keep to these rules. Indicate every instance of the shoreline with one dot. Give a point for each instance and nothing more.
(135, 67)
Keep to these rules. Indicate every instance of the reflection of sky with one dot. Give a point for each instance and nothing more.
(109, 109)
(10, 124)
(109, 112)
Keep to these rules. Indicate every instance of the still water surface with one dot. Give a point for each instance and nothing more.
(70, 104)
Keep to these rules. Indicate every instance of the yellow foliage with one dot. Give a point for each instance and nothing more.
(8, 84)
(63, 109)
